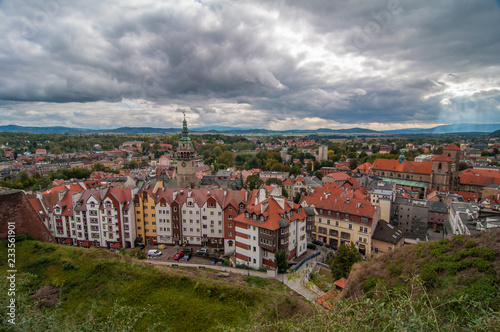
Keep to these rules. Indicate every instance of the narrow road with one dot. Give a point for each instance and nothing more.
(292, 280)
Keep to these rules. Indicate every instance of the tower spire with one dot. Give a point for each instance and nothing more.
(185, 131)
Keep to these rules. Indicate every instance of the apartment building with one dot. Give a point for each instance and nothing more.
(343, 220)
(269, 224)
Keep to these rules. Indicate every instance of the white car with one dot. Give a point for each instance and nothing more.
(154, 253)
(202, 251)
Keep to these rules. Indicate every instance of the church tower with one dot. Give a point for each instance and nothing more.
(186, 171)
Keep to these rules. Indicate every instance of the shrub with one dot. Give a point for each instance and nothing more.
(184, 278)
(69, 266)
(48, 249)
(470, 244)
(429, 275)
(222, 297)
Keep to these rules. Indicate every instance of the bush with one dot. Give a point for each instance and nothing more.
(69, 266)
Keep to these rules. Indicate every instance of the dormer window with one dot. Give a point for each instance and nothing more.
(262, 218)
(242, 206)
(247, 215)
(254, 217)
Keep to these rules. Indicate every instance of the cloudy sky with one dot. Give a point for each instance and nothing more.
(385, 64)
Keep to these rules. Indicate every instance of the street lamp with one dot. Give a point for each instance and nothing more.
(248, 268)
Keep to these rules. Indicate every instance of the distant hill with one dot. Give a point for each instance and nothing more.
(151, 130)
(456, 128)
(496, 133)
(453, 128)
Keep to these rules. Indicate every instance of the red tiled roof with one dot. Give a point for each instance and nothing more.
(441, 157)
(329, 299)
(354, 207)
(272, 212)
(117, 245)
(339, 176)
(406, 167)
(288, 182)
(452, 147)
(363, 168)
(475, 180)
(340, 283)
(37, 205)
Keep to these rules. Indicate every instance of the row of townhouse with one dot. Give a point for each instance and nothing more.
(190, 216)
(84, 217)
(251, 224)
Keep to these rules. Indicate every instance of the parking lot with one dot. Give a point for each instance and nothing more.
(169, 252)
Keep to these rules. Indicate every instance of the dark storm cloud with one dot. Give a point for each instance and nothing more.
(346, 62)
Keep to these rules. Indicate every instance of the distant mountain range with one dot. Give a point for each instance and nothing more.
(455, 128)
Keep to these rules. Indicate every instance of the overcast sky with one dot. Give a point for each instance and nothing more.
(385, 64)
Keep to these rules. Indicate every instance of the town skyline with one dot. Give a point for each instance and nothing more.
(380, 65)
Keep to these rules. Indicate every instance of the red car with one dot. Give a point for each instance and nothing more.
(178, 255)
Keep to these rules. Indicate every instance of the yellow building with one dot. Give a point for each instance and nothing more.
(343, 220)
(145, 213)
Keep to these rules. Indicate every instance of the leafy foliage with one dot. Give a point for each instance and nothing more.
(346, 256)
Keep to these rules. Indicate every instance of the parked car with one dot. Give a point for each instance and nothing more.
(141, 246)
(331, 246)
(186, 250)
(154, 253)
(318, 243)
(178, 255)
(186, 257)
(311, 246)
(202, 251)
(161, 246)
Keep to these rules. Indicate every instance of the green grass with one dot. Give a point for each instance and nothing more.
(97, 286)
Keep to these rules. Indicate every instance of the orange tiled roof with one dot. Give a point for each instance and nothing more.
(475, 180)
(406, 167)
(351, 206)
(340, 283)
(329, 299)
(452, 147)
(272, 212)
(441, 157)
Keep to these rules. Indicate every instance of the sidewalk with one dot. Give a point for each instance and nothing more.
(292, 280)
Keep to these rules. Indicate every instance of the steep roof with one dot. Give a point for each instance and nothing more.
(441, 157)
(273, 213)
(387, 233)
(452, 147)
(405, 167)
(348, 205)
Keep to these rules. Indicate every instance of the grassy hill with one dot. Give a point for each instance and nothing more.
(447, 285)
(79, 289)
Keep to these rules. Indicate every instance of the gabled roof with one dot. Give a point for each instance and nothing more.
(273, 214)
(452, 147)
(405, 167)
(387, 233)
(352, 206)
(441, 157)
(38, 206)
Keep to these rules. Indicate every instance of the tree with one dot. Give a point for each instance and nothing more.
(462, 166)
(217, 151)
(346, 256)
(353, 164)
(253, 182)
(281, 260)
(226, 158)
(98, 167)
